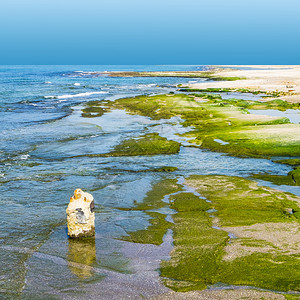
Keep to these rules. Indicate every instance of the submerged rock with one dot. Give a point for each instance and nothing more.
(80, 215)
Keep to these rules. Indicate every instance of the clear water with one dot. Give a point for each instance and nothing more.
(41, 129)
(292, 114)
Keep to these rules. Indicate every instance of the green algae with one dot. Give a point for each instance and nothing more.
(187, 202)
(278, 104)
(255, 243)
(276, 272)
(160, 169)
(93, 109)
(289, 162)
(292, 178)
(197, 246)
(163, 169)
(184, 74)
(208, 90)
(276, 179)
(198, 258)
(273, 94)
(254, 203)
(198, 255)
(226, 78)
(208, 96)
(244, 134)
(154, 198)
(149, 144)
(92, 112)
(29, 164)
(154, 233)
(209, 115)
(256, 141)
(292, 297)
(156, 107)
(295, 174)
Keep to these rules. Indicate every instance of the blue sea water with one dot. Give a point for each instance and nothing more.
(41, 130)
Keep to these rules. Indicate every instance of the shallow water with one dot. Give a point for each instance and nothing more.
(236, 95)
(42, 131)
(292, 114)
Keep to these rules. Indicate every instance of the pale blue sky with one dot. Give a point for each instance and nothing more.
(149, 32)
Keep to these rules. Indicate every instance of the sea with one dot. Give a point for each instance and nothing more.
(42, 131)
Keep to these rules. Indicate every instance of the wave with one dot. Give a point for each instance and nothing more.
(86, 73)
(24, 156)
(74, 95)
(147, 85)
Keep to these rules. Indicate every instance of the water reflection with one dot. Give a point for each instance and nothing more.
(82, 257)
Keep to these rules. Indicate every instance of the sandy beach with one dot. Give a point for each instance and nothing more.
(258, 78)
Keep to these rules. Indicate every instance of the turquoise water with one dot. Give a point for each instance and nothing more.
(41, 131)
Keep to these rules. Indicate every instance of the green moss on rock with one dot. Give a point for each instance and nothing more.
(93, 109)
(184, 74)
(197, 249)
(290, 161)
(154, 198)
(276, 179)
(148, 144)
(255, 204)
(295, 174)
(200, 254)
(154, 233)
(244, 134)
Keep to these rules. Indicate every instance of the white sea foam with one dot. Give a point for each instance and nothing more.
(48, 82)
(74, 95)
(84, 72)
(24, 156)
(145, 85)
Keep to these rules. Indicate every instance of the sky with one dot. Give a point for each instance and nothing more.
(145, 32)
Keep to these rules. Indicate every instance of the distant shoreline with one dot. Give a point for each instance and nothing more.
(266, 78)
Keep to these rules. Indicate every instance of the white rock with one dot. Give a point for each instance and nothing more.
(80, 215)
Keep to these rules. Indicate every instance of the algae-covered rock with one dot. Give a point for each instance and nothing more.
(210, 118)
(234, 232)
(295, 174)
(148, 144)
(80, 215)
